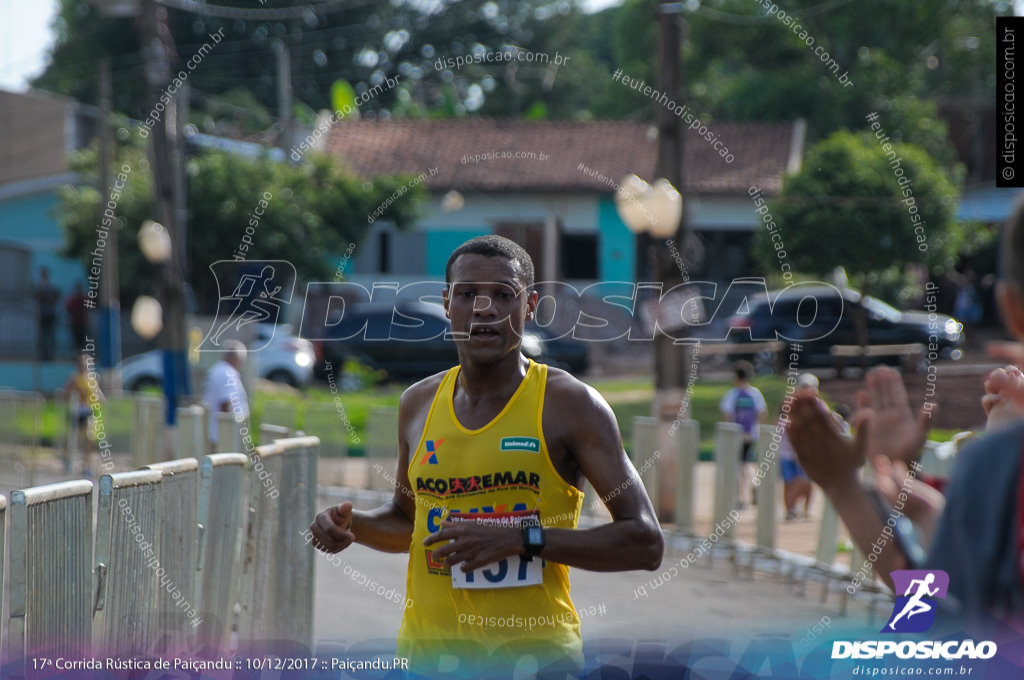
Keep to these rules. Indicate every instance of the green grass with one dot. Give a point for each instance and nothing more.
(319, 412)
(703, 406)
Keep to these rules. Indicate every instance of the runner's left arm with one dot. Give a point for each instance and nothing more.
(633, 539)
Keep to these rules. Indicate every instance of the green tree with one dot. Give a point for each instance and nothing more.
(362, 44)
(314, 211)
(853, 206)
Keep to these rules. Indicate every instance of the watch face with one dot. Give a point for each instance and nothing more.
(534, 536)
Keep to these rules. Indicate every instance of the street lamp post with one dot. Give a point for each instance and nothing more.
(654, 213)
(151, 317)
(650, 212)
(158, 53)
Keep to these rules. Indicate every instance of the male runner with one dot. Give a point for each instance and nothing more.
(499, 436)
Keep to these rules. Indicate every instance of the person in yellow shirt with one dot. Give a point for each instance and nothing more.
(83, 394)
(492, 458)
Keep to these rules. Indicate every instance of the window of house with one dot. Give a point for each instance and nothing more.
(579, 256)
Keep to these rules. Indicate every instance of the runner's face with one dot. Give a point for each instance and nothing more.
(488, 307)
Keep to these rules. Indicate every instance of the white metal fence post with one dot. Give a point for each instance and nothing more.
(728, 446)
(51, 576)
(179, 494)
(223, 492)
(128, 561)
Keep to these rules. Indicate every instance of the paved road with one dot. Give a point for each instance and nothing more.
(704, 600)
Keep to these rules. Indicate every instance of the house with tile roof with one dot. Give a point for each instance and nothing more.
(550, 185)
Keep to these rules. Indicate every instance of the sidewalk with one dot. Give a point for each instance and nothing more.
(702, 600)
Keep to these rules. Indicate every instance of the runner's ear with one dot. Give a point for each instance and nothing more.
(531, 303)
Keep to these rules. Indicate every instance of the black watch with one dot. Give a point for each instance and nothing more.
(533, 538)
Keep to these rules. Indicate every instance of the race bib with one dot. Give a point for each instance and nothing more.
(508, 572)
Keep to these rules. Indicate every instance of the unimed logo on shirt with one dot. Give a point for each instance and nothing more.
(531, 444)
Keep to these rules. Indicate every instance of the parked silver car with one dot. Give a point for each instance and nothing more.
(287, 359)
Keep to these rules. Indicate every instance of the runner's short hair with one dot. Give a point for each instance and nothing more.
(494, 246)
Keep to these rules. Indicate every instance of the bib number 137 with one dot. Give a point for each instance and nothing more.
(508, 572)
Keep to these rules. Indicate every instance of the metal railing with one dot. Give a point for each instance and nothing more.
(147, 433)
(127, 561)
(276, 595)
(192, 434)
(179, 537)
(50, 558)
(223, 486)
(4, 636)
(165, 572)
(229, 432)
(298, 505)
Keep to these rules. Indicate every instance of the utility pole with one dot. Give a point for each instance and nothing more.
(671, 364)
(671, 361)
(110, 313)
(181, 114)
(284, 93)
(157, 52)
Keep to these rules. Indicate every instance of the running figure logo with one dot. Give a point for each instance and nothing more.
(914, 611)
(258, 289)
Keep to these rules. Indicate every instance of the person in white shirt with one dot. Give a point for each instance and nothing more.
(223, 391)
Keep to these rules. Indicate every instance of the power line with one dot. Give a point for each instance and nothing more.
(269, 14)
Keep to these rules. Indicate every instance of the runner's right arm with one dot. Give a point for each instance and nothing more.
(389, 527)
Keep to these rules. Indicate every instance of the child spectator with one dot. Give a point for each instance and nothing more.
(744, 405)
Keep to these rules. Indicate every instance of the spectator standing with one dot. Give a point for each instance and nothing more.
(223, 391)
(78, 316)
(46, 296)
(84, 396)
(744, 405)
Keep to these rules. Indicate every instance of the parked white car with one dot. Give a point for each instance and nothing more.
(287, 359)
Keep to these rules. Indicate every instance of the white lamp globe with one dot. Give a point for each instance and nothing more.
(147, 316)
(452, 201)
(666, 207)
(155, 242)
(631, 201)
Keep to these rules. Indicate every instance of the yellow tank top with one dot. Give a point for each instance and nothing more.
(502, 467)
(84, 389)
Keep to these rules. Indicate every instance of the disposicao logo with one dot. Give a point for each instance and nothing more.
(914, 612)
(531, 444)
